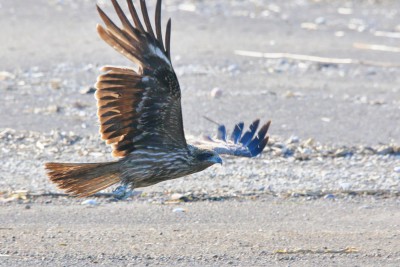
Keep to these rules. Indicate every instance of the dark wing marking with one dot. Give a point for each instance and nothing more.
(248, 145)
(139, 108)
(237, 132)
(221, 132)
(257, 145)
(168, 40)
(158, 24)
(246, 139)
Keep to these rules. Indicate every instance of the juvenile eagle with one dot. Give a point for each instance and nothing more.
(141, 117)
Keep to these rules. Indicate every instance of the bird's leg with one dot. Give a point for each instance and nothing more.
(123, 192)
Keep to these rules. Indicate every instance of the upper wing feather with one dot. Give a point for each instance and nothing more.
(249, 144)
(139, 108)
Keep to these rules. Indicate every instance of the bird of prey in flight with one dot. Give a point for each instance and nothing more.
(141, 117)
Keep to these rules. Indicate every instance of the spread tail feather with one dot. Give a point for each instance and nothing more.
(83, 179)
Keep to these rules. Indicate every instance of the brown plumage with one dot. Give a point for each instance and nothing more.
(141, 117)
(84, 178)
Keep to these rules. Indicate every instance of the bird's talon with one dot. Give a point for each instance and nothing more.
(122, 192)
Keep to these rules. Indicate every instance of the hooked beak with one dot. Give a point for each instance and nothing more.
(216, 159)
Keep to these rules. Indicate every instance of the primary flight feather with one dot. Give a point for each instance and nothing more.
(141, 117)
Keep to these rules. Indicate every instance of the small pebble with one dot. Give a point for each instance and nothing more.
(329, 196)
(345, 11)
(309, 26)
(87, 90)
(233, 68)
(291, 94)
(55, 84)
(176, 196)
(309, 142)
(91, 202)
(339, 33)
(274, 8)
(53, 109)
(4, 75)
(343, 153)
(345, 186)
(320, 20)
(293, 139)
(216, 92)
(187, 7)
(385, 150)
(179, 210)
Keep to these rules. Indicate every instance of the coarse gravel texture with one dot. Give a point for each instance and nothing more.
(267, 232)
(284, 167)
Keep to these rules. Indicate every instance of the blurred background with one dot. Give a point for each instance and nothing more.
(227, 58)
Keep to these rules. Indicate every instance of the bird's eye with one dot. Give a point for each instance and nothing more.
(204, 156)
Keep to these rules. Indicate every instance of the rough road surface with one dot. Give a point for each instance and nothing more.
(262, 232)
(325, 192)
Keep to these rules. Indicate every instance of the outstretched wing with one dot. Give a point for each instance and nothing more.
(249, 144)
(139, 108)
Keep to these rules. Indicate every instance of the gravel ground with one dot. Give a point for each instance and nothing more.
(264, 232)
(334, 150)
(291, 166)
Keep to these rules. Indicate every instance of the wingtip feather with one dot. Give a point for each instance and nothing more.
(146, 18)
(168, 39)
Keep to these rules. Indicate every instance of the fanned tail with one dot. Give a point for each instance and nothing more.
(83, 179)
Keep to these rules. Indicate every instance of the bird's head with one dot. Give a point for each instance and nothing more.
(206, 158)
